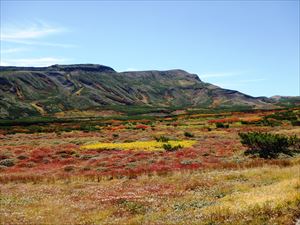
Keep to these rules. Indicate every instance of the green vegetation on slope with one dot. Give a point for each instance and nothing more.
(44, 91)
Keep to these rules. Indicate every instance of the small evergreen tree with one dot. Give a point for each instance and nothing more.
(267, 145)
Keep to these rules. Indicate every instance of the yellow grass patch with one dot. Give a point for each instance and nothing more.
(38, 108)
(278, 193)
(139, 145)
(87, 113)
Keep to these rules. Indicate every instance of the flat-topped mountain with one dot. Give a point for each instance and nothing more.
(66, 68)
(27, 91)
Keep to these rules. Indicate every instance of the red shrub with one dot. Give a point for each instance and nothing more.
(141, 126)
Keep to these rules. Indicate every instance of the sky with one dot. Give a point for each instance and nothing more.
(249, 46)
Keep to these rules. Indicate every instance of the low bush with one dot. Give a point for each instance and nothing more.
(86, 128)
(7, 162)
(22, 157)
(115, 135)
(69, 168)
(168, 147)
(295, 122)
(221, 125)
(267, 145)
(287, 115)
(294, 142)
(162, 139)
(270, 122)
(188, 134)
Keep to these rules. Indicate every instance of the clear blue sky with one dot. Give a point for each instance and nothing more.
(248, 46)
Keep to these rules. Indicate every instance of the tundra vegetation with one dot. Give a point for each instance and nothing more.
(187, 168)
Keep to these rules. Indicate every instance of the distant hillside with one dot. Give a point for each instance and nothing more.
(31, 91)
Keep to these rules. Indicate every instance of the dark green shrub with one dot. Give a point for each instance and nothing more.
(259, 122)
(69, 168)
(68, 129)
(35, 129)
(87, 128)
(267, 145)
(188, 134)
(115, 135)
(288, 115)
(276, 119)
(295, 122)
(169, 148)
(7, 162)
(162, 139)
(22, 157)
(222, 125)
(270, 122)
(86, 168)
(294, 142)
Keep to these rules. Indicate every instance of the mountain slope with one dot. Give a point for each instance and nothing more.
(27, 91)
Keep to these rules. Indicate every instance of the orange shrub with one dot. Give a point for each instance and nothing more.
(118, 128)
(225, 120)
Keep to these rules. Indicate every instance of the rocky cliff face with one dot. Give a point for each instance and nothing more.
(27, 91)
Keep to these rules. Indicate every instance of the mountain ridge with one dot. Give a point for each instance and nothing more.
(32, 91)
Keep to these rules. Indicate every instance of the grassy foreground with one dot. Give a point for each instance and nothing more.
(263, 195)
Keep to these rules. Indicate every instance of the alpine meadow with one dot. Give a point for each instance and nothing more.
(152, 112)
